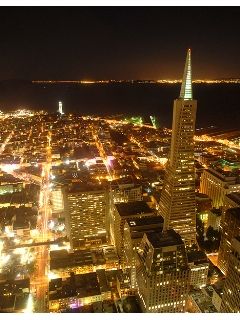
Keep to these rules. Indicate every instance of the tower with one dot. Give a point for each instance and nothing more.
(60, 107)
(177, 203)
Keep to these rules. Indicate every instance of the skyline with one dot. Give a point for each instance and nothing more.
(108, 213)
(118, 43)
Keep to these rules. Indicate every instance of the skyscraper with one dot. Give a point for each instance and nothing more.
(177, 203)
(163, 275)
(230, 226)
(231, 291)
(134, 230)
(86, 214)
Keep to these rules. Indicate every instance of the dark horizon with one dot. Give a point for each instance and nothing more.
(54, 43)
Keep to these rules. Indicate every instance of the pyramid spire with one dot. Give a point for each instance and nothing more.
(186, 89)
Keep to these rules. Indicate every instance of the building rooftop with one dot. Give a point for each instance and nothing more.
(133, 208)
(197, 257)
(216, 212)
(131, 305)
(15, 197)
(145, 221)
(79, 187)
(63, 259)
(14, 286)
(202, 196)
(235, 212)
(235, 196)
(145, 224)
(218, 286)
(126, 182)
(23, 215)
(203, 301)
(227, 176)
(80, 285)
(103, 281)
(7, 302)
(164, 239)
(6, 178)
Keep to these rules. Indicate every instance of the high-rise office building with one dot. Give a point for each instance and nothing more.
(163, 275)
(122, 212)
(230, 227)
(177, 203)
(134, 230)
(86, 215)
(231, 291)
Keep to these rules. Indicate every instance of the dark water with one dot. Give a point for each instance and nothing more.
(217, 104)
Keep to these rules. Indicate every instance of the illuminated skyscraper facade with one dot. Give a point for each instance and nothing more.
(177, 203)
(163, 275)
(230, 227)
(86, 214)
(231, 291)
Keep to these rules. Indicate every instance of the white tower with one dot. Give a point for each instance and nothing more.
(60, 107)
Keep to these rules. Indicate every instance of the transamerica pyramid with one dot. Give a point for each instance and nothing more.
(177, 202)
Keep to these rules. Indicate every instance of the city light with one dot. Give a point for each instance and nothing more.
(81, 196)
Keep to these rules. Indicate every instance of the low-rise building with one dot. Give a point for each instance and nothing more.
(218, 294)
(214, 218)
(62, 262)
(200, 302)
(217, 183)
(199, 266)
(74, 291)
(14, 295)
(124, 284)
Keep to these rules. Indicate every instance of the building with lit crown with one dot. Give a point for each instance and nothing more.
(177, 203)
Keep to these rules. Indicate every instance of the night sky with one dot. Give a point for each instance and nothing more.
(72, 43)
